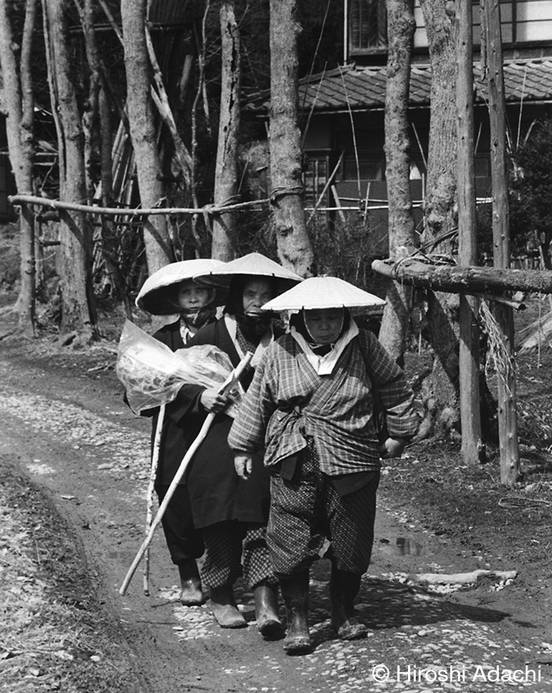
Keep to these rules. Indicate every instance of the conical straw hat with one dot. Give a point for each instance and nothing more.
(323, 292)
(251, 265)
(157, 293)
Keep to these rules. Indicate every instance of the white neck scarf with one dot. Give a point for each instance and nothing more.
(324, 365)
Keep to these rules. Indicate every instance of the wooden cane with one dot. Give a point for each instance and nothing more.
(151, 486)
(180, 472)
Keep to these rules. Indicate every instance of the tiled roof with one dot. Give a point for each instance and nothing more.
(364, 87)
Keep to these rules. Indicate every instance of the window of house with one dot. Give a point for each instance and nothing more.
(371, 166)
(482, 166)
(367, 26)
(522, 21)
(315, 174)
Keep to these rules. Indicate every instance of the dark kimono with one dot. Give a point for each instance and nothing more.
(183, 539)
(216, 493)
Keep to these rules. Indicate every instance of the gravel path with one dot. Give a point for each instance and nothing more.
(73, 434)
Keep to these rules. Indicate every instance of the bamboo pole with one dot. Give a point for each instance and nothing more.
(507, 415)
(151, 488)
(180, 472)
(161, 100)
(470, 410)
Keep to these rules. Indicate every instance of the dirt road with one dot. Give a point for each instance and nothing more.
(66, 426)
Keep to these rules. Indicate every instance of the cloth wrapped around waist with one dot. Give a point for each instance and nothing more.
(340, 451)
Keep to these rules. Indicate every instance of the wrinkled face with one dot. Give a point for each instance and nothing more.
(256, 293)
(192, 297)
(324, 325)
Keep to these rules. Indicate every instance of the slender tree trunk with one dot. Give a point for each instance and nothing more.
(18, 96)
(77, 312)
(402, 238)
(143, 131)
(507, 416)
(470, 411)
(294, 246)
(91, 126)
(224, 242)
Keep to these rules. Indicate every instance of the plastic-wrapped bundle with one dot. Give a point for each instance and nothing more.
(153, 374)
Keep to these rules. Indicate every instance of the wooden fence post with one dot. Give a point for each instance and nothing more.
(470, 410)
(507, 416)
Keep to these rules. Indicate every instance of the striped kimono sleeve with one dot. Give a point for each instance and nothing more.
(248, 430)
(395, 395)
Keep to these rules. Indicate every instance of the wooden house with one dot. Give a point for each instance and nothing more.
(355, 93)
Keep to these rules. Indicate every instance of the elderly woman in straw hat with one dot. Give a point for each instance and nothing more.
(173, 291)
(231, 512)
(311, 403)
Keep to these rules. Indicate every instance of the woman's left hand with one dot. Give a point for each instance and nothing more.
(243, 465)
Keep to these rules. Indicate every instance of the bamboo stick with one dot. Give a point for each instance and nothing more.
(116, 211)
(180, 472)
(161, 100)
(151, 487)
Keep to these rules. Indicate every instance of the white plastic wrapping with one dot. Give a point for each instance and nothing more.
(152, 374)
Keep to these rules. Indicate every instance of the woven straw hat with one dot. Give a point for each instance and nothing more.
(251, 265)
(323, 292)
(158, 291)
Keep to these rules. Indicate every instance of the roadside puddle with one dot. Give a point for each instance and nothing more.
(399, 546)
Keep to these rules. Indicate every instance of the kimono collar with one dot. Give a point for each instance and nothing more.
(266, 340)
(324, 365)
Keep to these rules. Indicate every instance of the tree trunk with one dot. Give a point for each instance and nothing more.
(143, 131)
(18, 96)
(224, 243)
(441, 161)
(294, 246)
(77, 313)
(507, 416)
(442, 386)
(402, 238)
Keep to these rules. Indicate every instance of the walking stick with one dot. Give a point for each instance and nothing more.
(151, 486)
(180, 472)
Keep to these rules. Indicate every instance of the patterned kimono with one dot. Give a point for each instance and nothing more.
(314, 415)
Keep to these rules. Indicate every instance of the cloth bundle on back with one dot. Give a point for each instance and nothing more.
(232, 512)
(173, 289)
(311, 401)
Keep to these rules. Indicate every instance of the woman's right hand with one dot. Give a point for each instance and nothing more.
(213, 401)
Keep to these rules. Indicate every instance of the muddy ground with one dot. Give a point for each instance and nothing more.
(74, 466)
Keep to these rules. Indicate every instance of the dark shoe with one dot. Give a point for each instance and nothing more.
(344, 588)
(266, 612)
(224, 608)
(190, 583)
(295, 591)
